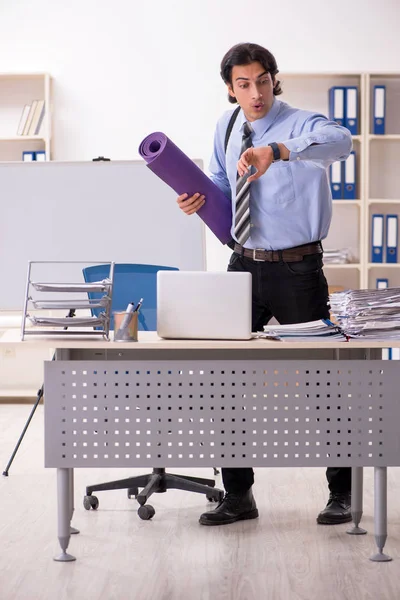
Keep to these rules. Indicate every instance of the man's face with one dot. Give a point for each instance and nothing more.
(253, 88)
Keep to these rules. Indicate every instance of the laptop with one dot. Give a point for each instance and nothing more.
(204, 305)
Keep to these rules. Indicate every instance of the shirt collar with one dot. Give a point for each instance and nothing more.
(261, 125)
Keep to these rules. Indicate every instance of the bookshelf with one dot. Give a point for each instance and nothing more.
(377, 168)
(310, 91)
(383, 160)
(16, 91)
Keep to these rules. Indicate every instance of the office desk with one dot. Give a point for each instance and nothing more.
(187, 403)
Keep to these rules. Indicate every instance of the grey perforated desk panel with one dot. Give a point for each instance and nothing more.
(160, 403)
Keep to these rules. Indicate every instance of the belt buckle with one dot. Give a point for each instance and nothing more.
(254, 254)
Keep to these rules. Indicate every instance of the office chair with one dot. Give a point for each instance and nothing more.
(132, 282)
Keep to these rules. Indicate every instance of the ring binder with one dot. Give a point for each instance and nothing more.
(377, 239)
(382, 283)
(379, 109)
(351, 119)
(349, 188)
(336, 180)
(337, 103)
(391, 238)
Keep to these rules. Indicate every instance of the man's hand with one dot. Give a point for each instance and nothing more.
(190, 205)
(260, 158)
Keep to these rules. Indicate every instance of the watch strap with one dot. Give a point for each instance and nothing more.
(275, 151)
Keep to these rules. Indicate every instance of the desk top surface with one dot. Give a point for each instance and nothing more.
(149, 340)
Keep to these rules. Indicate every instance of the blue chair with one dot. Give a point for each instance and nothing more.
(132, 282)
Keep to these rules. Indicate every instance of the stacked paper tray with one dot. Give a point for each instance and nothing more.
(99, 286)
(61, 301)
(69, 304)
(69, 321)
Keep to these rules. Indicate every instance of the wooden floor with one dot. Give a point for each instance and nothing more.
(283, 555)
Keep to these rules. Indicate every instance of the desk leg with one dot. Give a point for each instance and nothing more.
(73, 530)
(64, 513)
(356, 500)
(380, 513)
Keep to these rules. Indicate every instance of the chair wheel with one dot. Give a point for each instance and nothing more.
(146, 512)
(132, 492)
(91, 502)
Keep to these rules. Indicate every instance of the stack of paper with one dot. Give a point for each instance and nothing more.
(321, 330)
(368, 313)
(337, 257)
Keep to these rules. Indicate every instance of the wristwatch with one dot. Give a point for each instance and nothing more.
(275, 151)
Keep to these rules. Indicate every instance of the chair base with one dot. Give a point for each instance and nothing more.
(159, 482)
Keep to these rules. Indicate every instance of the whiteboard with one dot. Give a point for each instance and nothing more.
(89, 211)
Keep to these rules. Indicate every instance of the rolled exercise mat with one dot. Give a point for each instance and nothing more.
(178, 171)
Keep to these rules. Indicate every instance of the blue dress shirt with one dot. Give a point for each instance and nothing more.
(291, 204)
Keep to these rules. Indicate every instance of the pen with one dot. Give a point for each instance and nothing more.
(128, 316)
(139, 305)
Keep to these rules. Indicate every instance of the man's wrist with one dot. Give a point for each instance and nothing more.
(285, 152)
(278, 151)
(275, 151)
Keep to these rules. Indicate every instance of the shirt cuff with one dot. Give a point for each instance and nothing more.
(297, 145)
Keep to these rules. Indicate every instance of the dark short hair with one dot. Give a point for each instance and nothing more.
(245, 54)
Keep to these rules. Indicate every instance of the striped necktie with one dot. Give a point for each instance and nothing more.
(242, 205)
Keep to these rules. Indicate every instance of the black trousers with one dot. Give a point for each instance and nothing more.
(294, 292)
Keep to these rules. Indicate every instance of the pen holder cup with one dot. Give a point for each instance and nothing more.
(126, 327)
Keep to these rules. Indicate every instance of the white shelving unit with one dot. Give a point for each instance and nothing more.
(17, 90)
(382, 157)
(310, 91)
(378, 170)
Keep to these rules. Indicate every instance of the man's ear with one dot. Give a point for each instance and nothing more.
(230, 91)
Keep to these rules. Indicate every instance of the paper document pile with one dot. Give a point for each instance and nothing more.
(374, 314)
(340, 256)
(321, 330)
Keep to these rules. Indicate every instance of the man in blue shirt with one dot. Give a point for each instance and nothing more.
(278, 223)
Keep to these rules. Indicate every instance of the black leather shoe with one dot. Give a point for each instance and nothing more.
(232, 508)
(338, 509)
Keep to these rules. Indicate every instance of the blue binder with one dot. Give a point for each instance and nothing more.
(28, 156)
(351, 104)
(386, 353)
(382, 283)
(337, 104)
(395, 354)
(349, 187)
(40, 155)
(377, 239)
(379, 109)
(335, 174)
(391, 238)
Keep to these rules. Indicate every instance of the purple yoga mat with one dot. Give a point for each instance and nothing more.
(171, 165)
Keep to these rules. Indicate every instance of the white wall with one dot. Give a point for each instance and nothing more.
(125, 68)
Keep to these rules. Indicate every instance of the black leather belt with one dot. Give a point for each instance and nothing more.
(295, 254)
